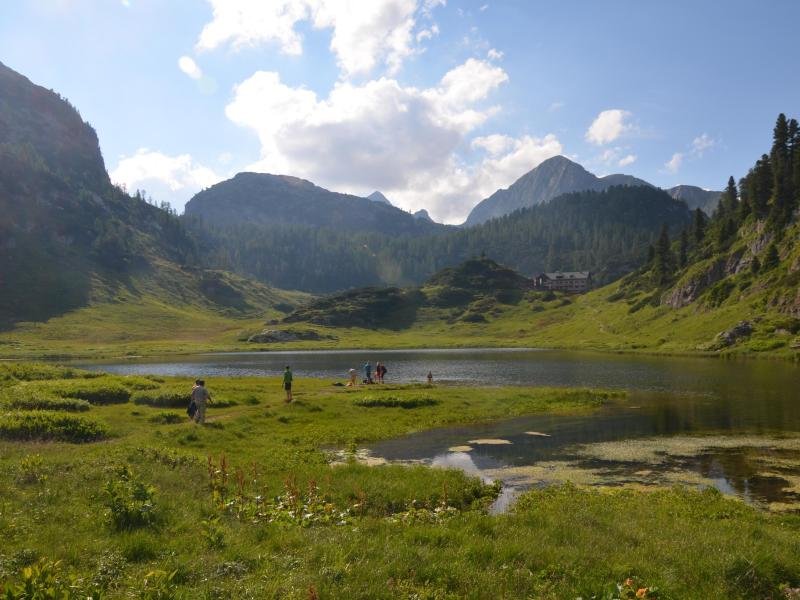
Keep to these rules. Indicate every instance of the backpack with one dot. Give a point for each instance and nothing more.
(192, 409)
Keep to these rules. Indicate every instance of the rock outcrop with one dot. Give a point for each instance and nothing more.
(271, 336)
(739, 331)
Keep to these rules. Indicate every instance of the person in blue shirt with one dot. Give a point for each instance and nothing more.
(367, 372)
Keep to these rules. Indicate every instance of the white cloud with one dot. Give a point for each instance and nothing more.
(674, 163)
(608, 126)
(702, 143)
(494, 54)
(382, 135)
(555, 106)
(126, 3)
(364, 34)
(629, 159)
(188, 66)
(493, 144)
(171, 178)
(484, 7)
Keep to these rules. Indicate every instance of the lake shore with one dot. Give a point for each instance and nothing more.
(250, 506)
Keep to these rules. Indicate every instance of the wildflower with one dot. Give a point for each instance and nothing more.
(628, 582)
(641, 593)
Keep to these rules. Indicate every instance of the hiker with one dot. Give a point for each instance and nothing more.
(430, 378)
(381, 370)
(287, 383)
(378, 370)
(367, 372)
(200, 397)
(353, 374)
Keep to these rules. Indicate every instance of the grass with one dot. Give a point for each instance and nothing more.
(250, 507)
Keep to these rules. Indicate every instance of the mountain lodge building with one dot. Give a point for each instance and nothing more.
(572, 282)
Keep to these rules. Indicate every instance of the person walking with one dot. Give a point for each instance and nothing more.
(353, 374)
(378, 372)
(430, 378)
(200, 397)
(287, 383)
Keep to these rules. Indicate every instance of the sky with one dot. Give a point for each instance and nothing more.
(436, 103)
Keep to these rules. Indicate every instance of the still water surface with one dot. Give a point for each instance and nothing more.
(668, 399)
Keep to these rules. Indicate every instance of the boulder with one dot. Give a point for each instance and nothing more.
(269, 336)
(734, 334)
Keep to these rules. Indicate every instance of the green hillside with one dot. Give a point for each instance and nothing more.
(86, 267)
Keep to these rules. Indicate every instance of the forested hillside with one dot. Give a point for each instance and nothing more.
(70, 238)
(606, 232)
(748, 249)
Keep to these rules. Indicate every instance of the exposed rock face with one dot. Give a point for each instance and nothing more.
(376, 196)
(269, 336)
(687, 292)
(423, 214)
(735, 333)
(554, 177)
(696, 197)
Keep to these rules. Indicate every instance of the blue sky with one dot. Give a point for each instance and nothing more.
(436, 104)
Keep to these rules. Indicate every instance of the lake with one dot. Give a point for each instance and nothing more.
(727, 423)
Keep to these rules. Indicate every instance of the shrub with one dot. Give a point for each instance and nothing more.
(167, 418)
(40, 425)
(31, 469)
(21, 398)
(94, 391)
(163, 397)
(130, 501)
(45, 580)
(717, 294)
(395, 402)
(173, 398)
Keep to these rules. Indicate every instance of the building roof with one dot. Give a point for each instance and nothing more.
(568, 275)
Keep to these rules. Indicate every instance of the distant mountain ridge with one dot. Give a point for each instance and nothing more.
(554, 177)
(266, 199)
(376, 196)
(696, 197)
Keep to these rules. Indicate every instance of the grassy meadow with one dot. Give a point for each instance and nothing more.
(107, 491)
(149, 326)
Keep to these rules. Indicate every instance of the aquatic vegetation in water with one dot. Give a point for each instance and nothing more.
(460, 449)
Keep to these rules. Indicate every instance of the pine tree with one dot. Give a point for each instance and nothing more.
(729, 201)
(663, 263)
(699, 225)
(684, 248)
(781, 174)
(761, 186)
(771, 259)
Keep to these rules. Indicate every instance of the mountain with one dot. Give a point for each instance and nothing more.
(376, 196)
(554, 177)
(423, 214)
(696, 197)
(70, 239)
(264, 199)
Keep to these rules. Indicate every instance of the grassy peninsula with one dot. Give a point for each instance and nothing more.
(267, 501)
